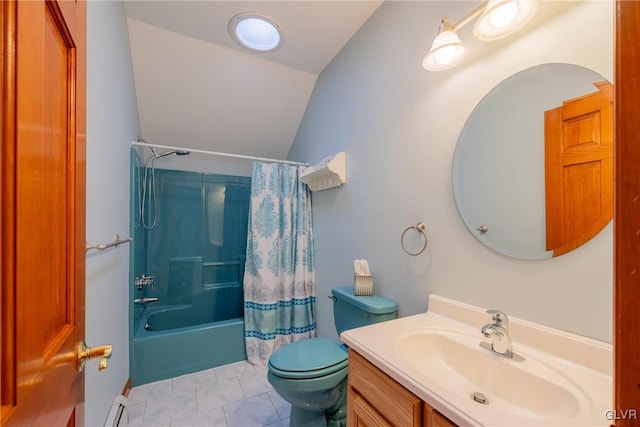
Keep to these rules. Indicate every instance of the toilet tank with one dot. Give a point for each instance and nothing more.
(352, 311)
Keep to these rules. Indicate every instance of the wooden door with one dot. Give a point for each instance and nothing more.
(579, 169)
(626, 339)
(43, 211)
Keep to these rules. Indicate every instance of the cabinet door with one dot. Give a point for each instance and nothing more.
(361, 414)
(400, 407)
(433, 418)
(439, 420)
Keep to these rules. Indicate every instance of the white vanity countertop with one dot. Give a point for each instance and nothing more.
(578, 368)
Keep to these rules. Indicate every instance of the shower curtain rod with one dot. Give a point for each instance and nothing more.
(216, 153)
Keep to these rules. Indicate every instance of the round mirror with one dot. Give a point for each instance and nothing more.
(533, 166)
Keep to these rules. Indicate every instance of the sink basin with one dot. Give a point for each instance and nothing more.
(565, 379)
(456, 362)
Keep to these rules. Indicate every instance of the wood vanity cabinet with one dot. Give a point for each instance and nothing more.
(434, 418)
(374, 399)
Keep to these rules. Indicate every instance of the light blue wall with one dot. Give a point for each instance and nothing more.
(112, 123)
(399, 125)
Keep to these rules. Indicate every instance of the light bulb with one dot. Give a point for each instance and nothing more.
(504, 14)
(446, 55)
(502, 17)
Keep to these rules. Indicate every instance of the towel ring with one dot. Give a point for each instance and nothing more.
(421, 228)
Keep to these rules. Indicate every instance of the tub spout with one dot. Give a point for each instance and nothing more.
(145, 300)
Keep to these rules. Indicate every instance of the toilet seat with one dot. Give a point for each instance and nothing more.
(310, 358)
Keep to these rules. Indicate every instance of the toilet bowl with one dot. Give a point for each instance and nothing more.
(312, 374)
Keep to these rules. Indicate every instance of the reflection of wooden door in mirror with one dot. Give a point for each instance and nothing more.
(579, 169)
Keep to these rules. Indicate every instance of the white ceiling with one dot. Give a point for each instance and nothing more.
(196, 88)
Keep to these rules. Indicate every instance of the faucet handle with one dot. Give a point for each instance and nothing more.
(499, 318)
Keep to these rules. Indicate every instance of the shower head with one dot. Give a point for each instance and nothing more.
(168, 153)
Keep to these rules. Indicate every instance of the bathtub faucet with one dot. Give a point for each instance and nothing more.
(145, 300)
(142, 281)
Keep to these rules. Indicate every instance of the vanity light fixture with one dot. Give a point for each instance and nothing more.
(447, 50)
(497, 19)
(256, 32)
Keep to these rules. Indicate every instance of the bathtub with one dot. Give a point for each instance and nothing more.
(164, 345)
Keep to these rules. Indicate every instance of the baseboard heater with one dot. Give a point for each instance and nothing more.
(119, 413)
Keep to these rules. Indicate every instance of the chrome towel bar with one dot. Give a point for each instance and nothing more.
(117, 241)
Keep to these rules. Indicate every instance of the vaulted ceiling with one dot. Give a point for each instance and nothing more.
(196, 88)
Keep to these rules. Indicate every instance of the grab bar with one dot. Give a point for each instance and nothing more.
(145, 300)
(117, 241)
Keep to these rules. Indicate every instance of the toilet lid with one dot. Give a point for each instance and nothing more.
(309, 355)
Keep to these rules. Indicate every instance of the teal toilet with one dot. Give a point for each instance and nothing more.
(312, 374)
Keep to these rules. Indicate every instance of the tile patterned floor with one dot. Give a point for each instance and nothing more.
(235, 395)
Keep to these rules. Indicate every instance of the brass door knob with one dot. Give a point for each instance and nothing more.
(85, 353)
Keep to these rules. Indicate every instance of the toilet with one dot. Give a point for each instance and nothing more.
(312, 374)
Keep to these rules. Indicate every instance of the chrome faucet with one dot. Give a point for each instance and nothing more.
(498, 331)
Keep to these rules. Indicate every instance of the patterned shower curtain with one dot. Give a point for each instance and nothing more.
(279, 284)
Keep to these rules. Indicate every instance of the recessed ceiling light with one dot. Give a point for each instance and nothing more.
(255, 32)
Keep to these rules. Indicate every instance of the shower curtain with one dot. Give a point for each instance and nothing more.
(279, 284)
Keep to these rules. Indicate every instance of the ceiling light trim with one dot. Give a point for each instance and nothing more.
(256, 32)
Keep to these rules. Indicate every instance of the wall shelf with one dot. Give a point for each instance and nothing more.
(329, 173)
